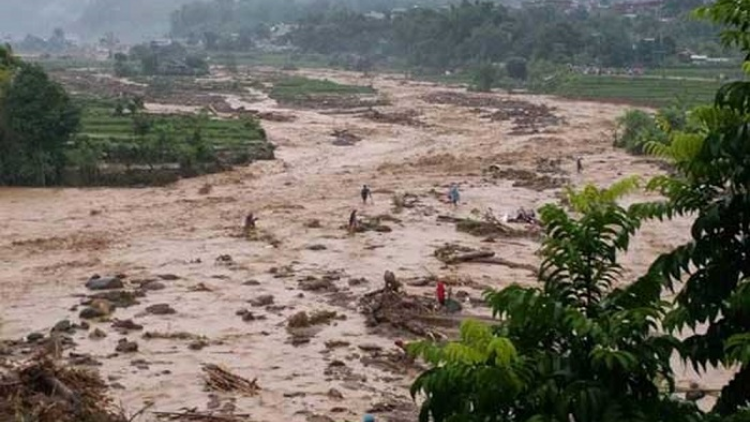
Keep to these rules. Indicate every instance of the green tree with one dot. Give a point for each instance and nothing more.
(575, 349)
(485, 77)
(517, 68)
(38, 120)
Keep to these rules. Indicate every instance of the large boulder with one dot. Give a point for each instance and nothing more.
(104, 283)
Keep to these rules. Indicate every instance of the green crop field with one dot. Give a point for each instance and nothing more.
(298, 88)
(197, 143)
(638, 90)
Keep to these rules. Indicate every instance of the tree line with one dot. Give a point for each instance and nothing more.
(455, 36)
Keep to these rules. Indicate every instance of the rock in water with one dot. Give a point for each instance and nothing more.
(63, 326)
(97, 334)
(263, 300)
(104, 283)
(153, 286)
(98, 308)
(160, 309)
(125, 346)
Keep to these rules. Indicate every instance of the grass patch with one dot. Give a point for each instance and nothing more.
(648, 91)
(300, 88)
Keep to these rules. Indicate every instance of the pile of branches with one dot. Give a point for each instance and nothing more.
(43, 391)
(489, 225)
(219, 379)
(392, 306)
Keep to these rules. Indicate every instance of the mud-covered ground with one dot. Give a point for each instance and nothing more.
(188, 237)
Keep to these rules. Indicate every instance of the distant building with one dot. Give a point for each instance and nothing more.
(637, 6)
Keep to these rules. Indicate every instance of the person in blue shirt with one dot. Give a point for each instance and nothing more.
(453, 195)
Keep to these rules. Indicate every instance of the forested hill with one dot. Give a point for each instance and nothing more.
(464, 34)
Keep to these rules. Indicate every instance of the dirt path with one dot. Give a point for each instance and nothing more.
(52, 240)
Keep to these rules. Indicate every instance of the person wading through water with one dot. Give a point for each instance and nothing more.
(366, 194)
(353, 222)
(453, 195)
(250, 220)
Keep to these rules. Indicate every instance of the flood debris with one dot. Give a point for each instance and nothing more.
(45, 391)
(305, 320)
(344, 138)
(220, 379)
(392, 306)
(489, 225)
(116, 298)
(314, 284)
(177, 335)
(525, 178)
(125, 346)
(405, 117)
(452, 254)
(97, 282)
(401, 201)
(194, 415)
(161, 309)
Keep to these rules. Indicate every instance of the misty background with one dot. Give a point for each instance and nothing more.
(130, 20)
(138, 20)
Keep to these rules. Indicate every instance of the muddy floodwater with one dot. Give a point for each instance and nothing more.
(188, 238)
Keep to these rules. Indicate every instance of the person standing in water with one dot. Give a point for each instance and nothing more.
(366, 193)
(453, 195)
(353, 221)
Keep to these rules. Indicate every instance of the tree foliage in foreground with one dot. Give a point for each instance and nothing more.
(577, 349)
(37, 121)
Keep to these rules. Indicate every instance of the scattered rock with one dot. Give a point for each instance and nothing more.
(63, 326)
(335, 394)
(197, 345)
(263, 300)
(200, 287)
(282, 272)
(153, 286)
(125, 346)
(299, 340)
(251, 283)
(313, 224)
(317, 248)
(299, 320)
(336, 344)
(313, 284)
(205, 189)
(339, 410)
(84, 325)
(127, 325)
(295, 394)
(224, 259)
(358, 281)
(320, 418)
(118, 298)
(141, 364)
(302, 319)
(104, 283)
(370, 347)
(77, 359)
(34, 337)
(168, 277)
(97, 334)
(160, 309)
(246, 315)
(99, 308)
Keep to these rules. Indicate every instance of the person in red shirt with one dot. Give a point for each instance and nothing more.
(440, 293)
